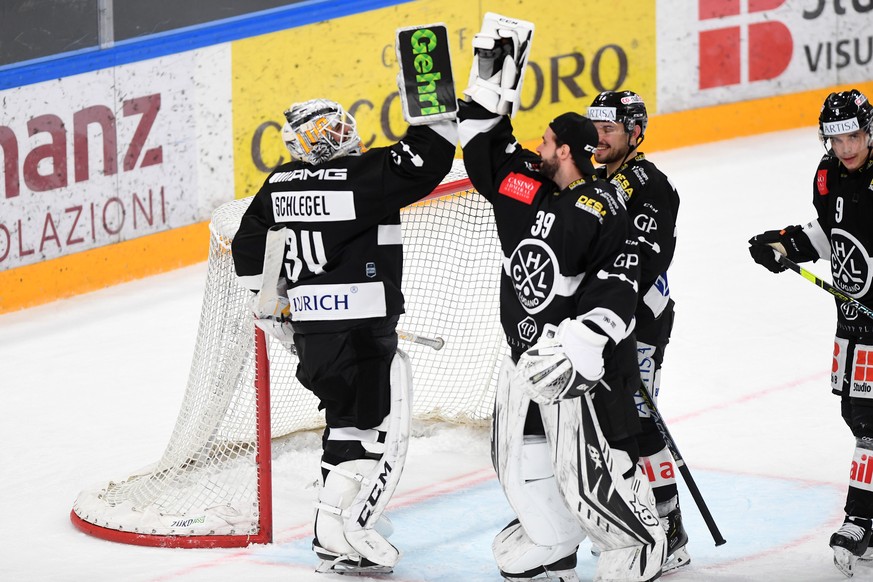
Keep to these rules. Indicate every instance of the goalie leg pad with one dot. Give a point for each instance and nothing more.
(617, 513)
(379, 485)
(547, 530)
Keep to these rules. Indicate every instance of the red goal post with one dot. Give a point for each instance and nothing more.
(213, 485)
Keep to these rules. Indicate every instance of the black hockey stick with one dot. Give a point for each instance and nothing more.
(812, 278)
(683, 468)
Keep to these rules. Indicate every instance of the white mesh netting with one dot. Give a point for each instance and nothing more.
(206, 483)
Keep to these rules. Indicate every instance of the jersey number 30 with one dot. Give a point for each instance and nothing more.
(308, 248)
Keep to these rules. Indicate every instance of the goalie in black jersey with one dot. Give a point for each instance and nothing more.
(842, 233)
(338, 298)
(565, 426)
(653, 205)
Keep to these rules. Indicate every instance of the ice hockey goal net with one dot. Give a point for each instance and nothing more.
(212, 487)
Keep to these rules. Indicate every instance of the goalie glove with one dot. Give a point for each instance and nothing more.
(563, 365)
(500, 53)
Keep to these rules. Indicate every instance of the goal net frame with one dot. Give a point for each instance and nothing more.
(452, 263)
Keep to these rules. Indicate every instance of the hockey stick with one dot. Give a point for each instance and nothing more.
(274, 250)
(436, 343)
(812, 278)
(683, 468)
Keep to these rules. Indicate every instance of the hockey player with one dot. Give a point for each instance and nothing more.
(842, 232)
(339, 303)
(653, 204)
(565, 423)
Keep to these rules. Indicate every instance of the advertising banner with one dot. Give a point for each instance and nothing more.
(576, 52)
(725, 51)
(113, 155)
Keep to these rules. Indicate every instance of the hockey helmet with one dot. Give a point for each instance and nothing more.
(319, 130)
(624, 107)
(845, 112)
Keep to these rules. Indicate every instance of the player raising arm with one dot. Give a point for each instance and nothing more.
(339, 299)
(565, 423)
(842, 232)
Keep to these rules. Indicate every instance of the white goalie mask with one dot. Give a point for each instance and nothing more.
(319, 130)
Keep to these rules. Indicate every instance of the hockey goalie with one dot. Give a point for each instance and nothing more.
(321, 244)
(563, 440)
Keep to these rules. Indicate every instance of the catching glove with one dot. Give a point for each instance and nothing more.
(562, 366)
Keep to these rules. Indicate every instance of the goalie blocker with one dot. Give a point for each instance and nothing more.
(427, 88)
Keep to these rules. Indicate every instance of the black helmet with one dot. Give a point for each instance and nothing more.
(624, 107)
(844, 112)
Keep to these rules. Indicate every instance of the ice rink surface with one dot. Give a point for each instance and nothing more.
(92, 387)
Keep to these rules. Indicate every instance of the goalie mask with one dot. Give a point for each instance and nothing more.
(845, 112)
(319, 130)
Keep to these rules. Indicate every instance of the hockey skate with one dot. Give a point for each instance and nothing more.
(346, 563)
(677, 540)
(850, 543)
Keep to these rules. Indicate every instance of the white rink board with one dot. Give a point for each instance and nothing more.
(803, 44)
(115, 154)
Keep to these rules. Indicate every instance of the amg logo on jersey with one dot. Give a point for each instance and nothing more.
(307, 174)
(313, 206)
(519, 187)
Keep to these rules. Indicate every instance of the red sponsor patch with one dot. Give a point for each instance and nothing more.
(520, 187)
(821, 182)
(863, 366)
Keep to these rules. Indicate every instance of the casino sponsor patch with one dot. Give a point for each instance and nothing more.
(519, 187)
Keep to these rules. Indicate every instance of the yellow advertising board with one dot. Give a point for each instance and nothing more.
(576, 53)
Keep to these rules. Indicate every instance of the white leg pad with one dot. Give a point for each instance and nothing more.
(548, 530)
(339, 490)
(618, 514)
(379, 485)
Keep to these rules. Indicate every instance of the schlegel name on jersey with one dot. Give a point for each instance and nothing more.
(343, 253)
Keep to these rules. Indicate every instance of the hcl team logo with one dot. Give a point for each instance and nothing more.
(533, 268)
(766, 52)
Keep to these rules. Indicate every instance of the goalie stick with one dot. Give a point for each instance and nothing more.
(812, 278)
(683, 468)
(436, 343)
(268, 296)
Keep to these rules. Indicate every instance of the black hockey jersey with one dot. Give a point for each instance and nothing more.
(343, 255)
(566, 252)
(653, 205)
(844, 204)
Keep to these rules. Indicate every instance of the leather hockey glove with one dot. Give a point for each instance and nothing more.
(763, 247)
(791, 242)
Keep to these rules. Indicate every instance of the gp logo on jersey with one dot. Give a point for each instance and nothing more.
(850, 264)
(533, 269)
